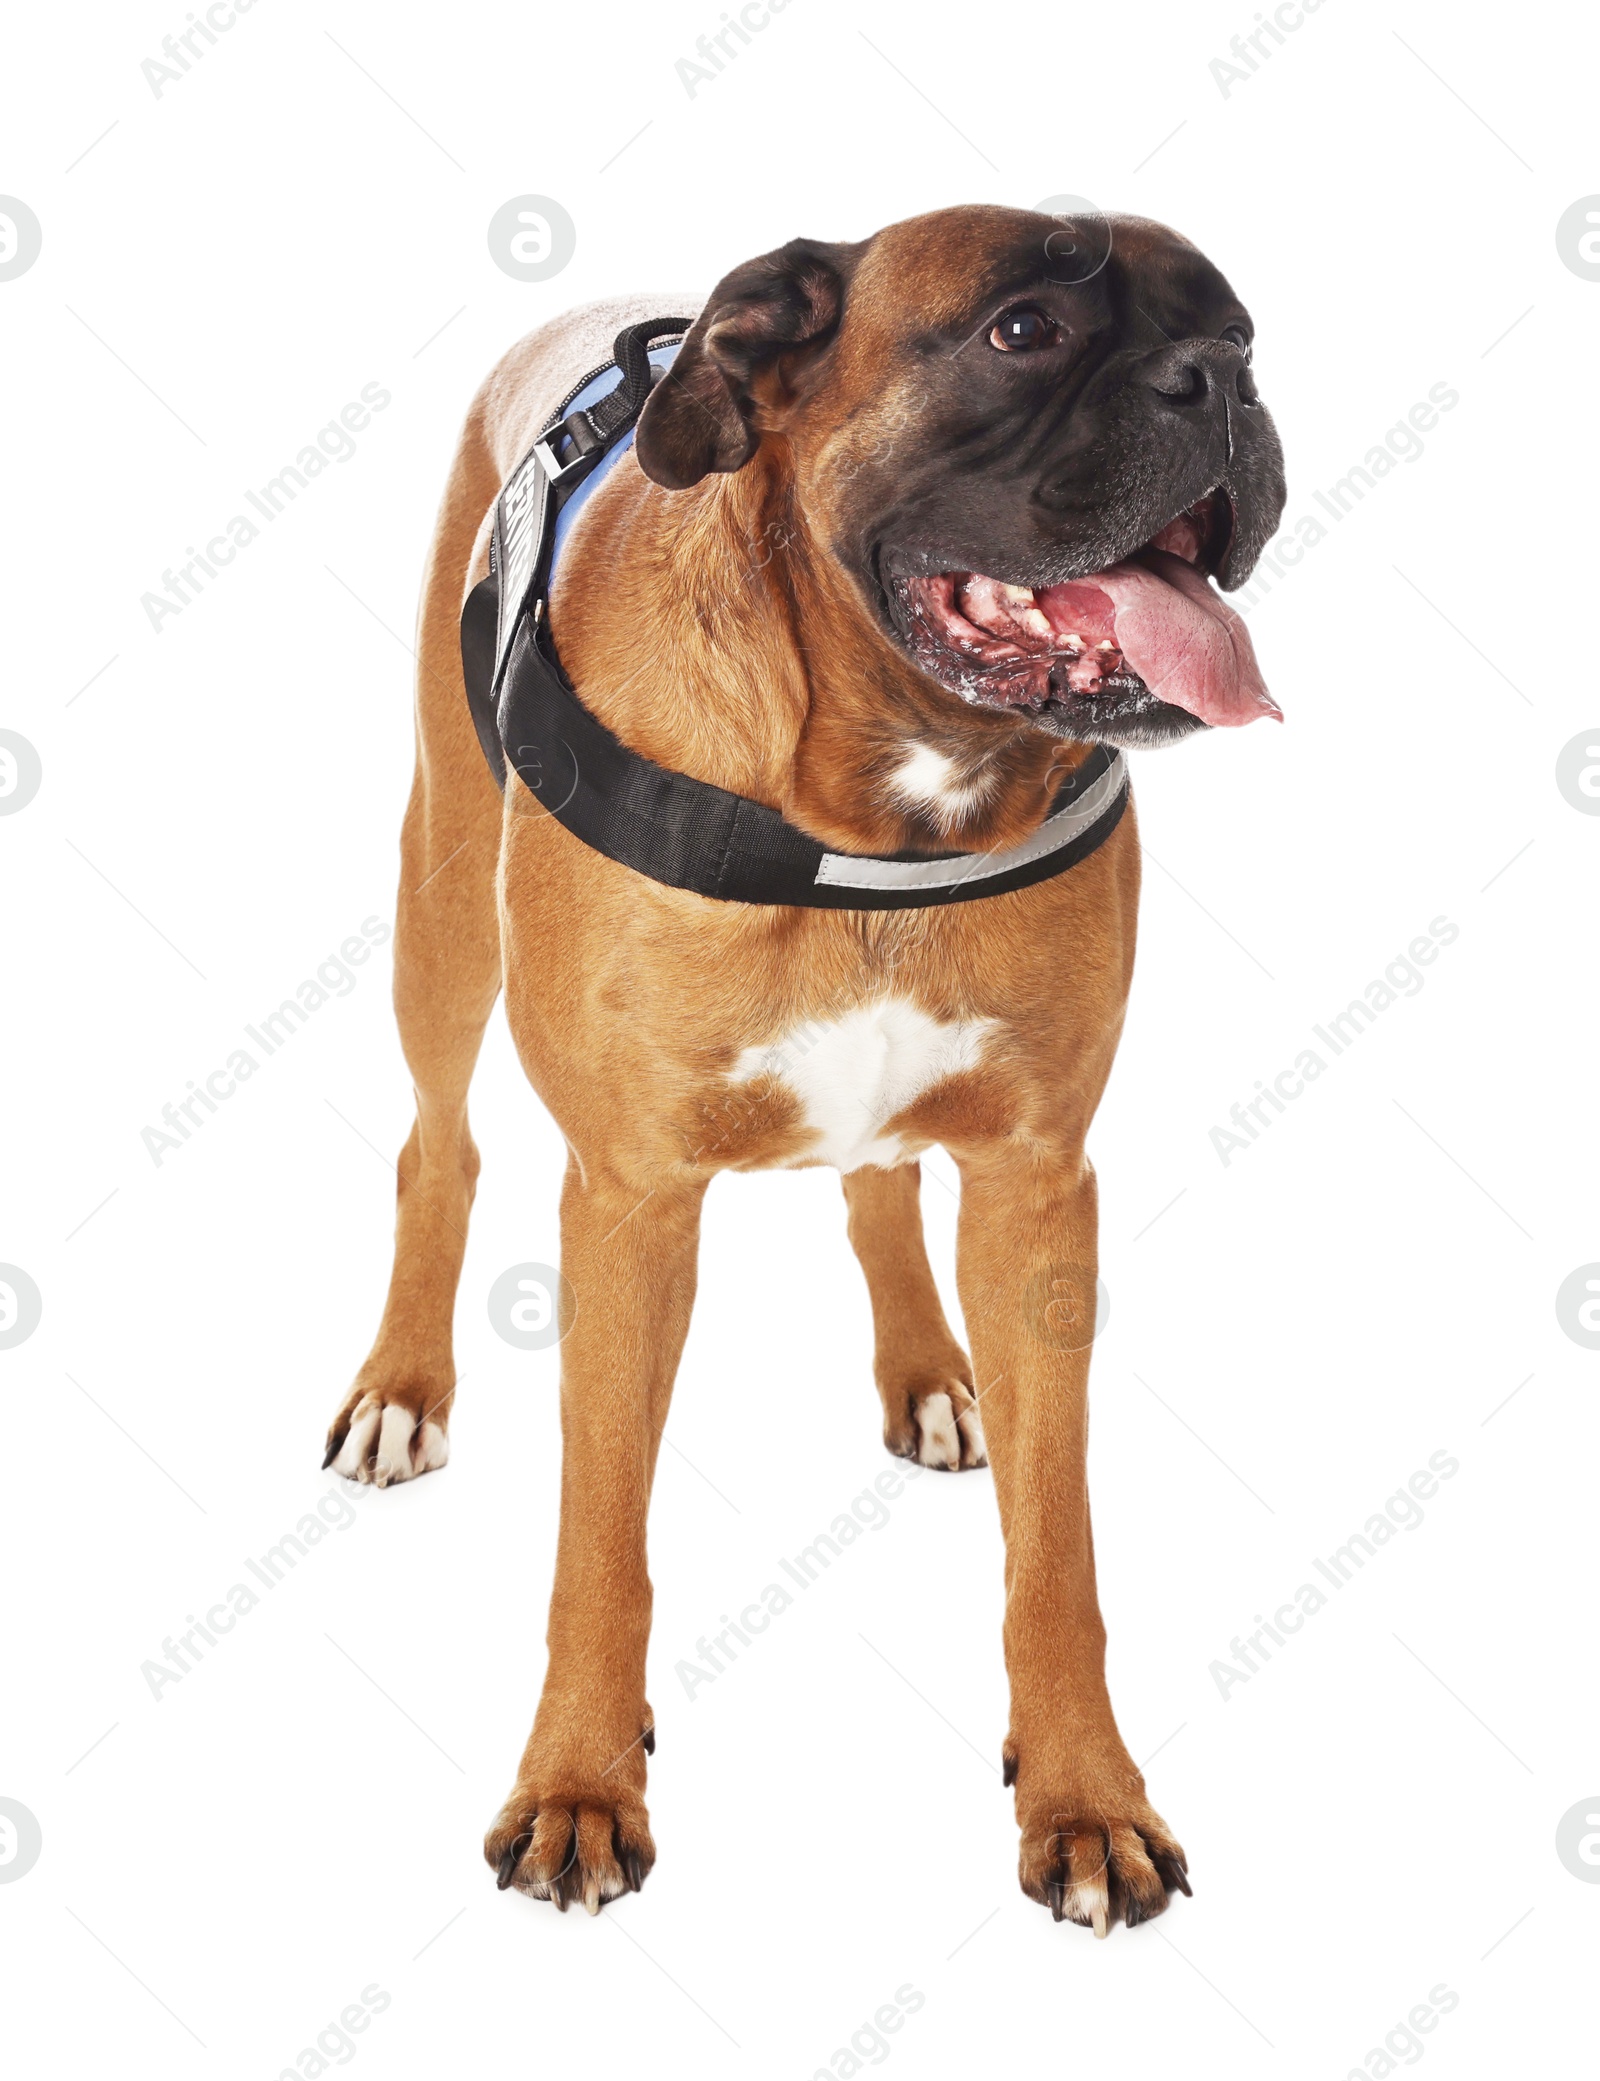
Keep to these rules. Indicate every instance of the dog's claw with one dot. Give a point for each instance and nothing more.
(1008, 1771)
(649, 1740)
(598, 1862)
(335, 1447)
(1097, 1873)
(510, 1860)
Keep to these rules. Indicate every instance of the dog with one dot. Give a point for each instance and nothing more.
(910, 530)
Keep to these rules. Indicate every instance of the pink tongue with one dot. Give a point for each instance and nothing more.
(1183, 640)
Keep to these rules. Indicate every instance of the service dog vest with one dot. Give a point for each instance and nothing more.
(663, 824)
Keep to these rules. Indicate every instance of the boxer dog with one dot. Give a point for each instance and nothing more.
(909, 527)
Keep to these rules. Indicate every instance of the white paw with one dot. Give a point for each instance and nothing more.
(386, 1444)
(941, 1435)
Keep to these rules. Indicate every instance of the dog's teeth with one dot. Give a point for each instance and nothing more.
(1018, 595)
(1105, 648)
(1073, 639)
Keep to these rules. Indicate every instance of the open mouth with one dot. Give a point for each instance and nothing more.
(1102, 654)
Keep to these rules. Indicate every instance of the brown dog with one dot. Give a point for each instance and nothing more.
(842, 574)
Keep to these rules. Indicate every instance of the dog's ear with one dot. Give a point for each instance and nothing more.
(700, 415)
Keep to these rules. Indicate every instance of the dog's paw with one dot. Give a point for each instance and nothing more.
(1094, 1856)
(388, 1435)
(570, 1848)
(950, 1433)
(936, 1424)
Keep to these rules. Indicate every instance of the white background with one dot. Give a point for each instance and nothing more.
(1372, 1814)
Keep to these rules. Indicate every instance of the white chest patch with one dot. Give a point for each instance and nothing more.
(852, 1075)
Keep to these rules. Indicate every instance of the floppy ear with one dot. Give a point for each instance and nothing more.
(698, 417)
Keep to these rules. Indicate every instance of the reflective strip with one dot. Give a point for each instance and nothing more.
(848, 871)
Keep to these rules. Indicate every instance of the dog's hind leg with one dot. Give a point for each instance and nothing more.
(930, 1411)
(394, 1421)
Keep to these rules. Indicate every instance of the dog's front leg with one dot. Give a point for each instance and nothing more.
(575, 1825)
(1091, 1842)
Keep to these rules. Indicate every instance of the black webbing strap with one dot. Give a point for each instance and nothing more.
(594, 430)
(667, 825)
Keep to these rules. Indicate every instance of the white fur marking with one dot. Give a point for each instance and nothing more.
(1088, 1902)
(394, 1446)
(940, 1444)
(926, 779)
(358, 1441)
(433, 1448)
(384, 1431)
(853, 1074)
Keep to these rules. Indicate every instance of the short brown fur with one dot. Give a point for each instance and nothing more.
(714, 631)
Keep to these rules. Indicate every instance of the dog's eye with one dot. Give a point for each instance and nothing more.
(1236, 336)
(1023, 328)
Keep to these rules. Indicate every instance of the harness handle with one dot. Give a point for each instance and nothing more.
(631, 353)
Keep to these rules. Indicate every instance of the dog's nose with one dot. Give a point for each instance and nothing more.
(1191, 373)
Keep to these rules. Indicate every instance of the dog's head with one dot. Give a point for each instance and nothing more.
(1031, 442)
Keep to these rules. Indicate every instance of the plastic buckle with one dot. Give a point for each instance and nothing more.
(587, 443)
